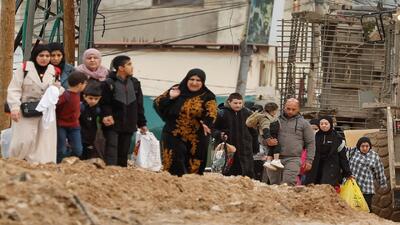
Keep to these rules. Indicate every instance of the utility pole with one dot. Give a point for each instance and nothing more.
(83, 33)
(28, 28)
(245, 56)
(7, 25)
(69, 31)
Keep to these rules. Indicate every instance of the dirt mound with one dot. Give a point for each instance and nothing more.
(89, 193)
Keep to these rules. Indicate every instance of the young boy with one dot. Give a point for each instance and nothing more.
(230, 127)
(90, 111)
(122, 111)
(68, 112)
(267, 125)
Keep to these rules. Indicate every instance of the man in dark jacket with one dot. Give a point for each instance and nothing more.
(122, 110)
(295, 134)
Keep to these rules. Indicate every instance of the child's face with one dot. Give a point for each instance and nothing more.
(236, 104)
(127, 68)
(82, 86)
(364, 147)
(92, 100)
(274, 113)
(56, 57)
(324, 125)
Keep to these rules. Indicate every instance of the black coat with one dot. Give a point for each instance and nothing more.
(240, 136)
(88, 122)
(127, 110)
(330, 163)
(184, 144)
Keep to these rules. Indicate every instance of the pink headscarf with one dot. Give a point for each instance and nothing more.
(101, 73)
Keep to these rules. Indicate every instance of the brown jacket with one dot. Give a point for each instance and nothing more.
(260, 121)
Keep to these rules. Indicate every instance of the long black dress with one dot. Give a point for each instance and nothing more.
(184, 144)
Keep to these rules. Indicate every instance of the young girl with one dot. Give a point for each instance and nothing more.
(366, 167)
(57, 59)
(267, 125)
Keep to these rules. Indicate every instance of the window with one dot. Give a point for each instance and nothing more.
(173, 3)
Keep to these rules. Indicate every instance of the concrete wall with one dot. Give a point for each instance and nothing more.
(170, 23)
(160, 69)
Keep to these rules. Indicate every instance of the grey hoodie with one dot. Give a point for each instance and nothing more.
(295, 134)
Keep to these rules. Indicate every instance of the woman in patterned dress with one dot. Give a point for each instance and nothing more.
(189, 110)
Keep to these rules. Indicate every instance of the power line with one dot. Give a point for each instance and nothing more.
(162, 21)
(181, 38)
(218, 9)
(208, 3)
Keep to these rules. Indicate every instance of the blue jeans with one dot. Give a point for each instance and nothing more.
(72, 136)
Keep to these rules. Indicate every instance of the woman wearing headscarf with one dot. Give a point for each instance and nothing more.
(57, 59)
(32, 140)
(189, 110)
(330, 163)
(92, 65)
(366, 166)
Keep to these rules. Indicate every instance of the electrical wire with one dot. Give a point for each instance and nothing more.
(177, 39)
(162, 21)
(178, 14)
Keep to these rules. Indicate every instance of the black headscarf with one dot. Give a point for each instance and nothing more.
(183, 87)
(54, 46)
(35, 52)
(327, 142)
(330, 120)
(185, 92)
(363, 140)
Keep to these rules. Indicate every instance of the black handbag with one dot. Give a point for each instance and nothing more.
(28, 109)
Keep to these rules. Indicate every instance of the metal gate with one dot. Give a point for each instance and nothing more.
(327, 65)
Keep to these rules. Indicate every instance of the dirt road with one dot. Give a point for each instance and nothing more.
(80, 193)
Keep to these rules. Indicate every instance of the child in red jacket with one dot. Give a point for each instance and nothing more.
(67, 113)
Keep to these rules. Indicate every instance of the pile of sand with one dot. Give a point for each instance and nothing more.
(89, 193)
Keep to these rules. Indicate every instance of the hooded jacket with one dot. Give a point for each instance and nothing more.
(330, 164)
(239, 135)
(294, 135)
(123, 99)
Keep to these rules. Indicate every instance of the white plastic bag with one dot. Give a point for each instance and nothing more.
(5, 140)
(147, 151)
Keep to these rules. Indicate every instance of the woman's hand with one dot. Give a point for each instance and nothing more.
(15, 115)
(174, 92)
(206, 129)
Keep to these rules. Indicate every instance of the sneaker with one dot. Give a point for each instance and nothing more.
(277, 163)
(268, 165)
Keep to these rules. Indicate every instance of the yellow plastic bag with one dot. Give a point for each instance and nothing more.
(351, 193)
